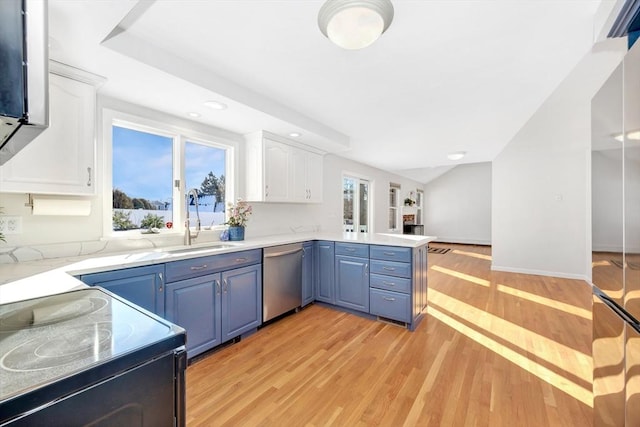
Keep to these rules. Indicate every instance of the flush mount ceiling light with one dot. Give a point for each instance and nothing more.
(193, 114)
(632, 135)
(456, 155)
(355, 24)
(294, 134)
(215, 105)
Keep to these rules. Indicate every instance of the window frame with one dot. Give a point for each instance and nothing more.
(163, 125)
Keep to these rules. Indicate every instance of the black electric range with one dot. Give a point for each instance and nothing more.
(88, 356)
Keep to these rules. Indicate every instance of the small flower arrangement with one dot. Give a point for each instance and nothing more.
(238, 213)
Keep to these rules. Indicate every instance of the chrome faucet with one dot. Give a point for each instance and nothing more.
(188, 234)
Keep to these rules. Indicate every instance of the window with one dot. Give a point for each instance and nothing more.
(152, 170)
(355, 205)
(394, 196)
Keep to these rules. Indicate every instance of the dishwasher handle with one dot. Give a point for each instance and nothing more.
(277, 254)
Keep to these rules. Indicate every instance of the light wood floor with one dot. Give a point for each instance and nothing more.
(496, 349)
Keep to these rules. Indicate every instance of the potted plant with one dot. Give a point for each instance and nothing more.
(238, 216)
(152, 223)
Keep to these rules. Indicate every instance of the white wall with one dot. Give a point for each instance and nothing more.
(541, 181)
(458, 205)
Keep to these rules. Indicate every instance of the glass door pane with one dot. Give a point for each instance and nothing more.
(364, 206)
(348, 198)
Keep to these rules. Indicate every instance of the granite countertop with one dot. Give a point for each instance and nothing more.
(24, 280)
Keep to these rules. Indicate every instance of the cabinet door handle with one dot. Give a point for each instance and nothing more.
(225, 285)
(217, 282)
(388, 283)
(389, 299)
(389, 268)
(266, 191)
(198, 267)
(366, 269)
(89, 180)
(161, 280)
(241, 259)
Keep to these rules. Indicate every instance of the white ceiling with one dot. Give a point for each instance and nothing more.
(447, 75)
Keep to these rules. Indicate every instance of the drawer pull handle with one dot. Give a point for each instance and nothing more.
(350, 249)
(389, 268)
(388, 283)
(390, 253)
(389, 299)
(241, 259)
(198, 267)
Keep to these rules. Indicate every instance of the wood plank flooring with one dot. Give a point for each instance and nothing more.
(496, 349)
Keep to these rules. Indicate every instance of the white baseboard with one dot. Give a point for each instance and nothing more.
(540, 273)
(463, 241)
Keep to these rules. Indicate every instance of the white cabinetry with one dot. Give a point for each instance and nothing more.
(279, 171)
(61, 160)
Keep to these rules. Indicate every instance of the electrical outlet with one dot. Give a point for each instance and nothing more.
(10, 225)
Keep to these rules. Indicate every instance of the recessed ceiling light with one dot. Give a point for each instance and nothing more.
(215, 105)
(457, 155)
(193, 114)
(294, 134)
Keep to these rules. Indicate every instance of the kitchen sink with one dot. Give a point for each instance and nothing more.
(203, 249)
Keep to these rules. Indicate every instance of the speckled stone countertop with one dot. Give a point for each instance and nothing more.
(31, 279)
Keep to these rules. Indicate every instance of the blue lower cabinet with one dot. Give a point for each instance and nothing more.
(307, 273)
(195, 304)
(392, 305)
(217, 307)
(142, 286)
(352, 282)
(241, 301)
(324, 274)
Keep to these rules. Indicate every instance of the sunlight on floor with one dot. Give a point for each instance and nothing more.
(580, 393)
(467, 277)
(603, 263)
(560, 355)
(471, 254)
(557, 305)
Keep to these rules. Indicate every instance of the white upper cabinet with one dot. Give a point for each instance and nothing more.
(279, 171)
(61, 160)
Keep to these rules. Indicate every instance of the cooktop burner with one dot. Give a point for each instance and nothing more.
(82, 342)
(45, 313)
(53, 337)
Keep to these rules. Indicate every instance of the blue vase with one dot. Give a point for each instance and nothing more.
(236, 233)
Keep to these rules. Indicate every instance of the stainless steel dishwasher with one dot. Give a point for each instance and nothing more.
(282, 280)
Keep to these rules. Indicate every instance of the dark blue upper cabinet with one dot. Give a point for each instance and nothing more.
(142, 286)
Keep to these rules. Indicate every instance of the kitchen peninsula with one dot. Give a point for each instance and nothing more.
(382, 276)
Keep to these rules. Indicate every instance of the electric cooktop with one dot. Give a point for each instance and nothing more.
(46, 339)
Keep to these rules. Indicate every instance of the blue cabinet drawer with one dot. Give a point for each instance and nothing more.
(392, 305)
(390, 253)
(352, 249)
(196, 267)
(390, 268)
(391, 283)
